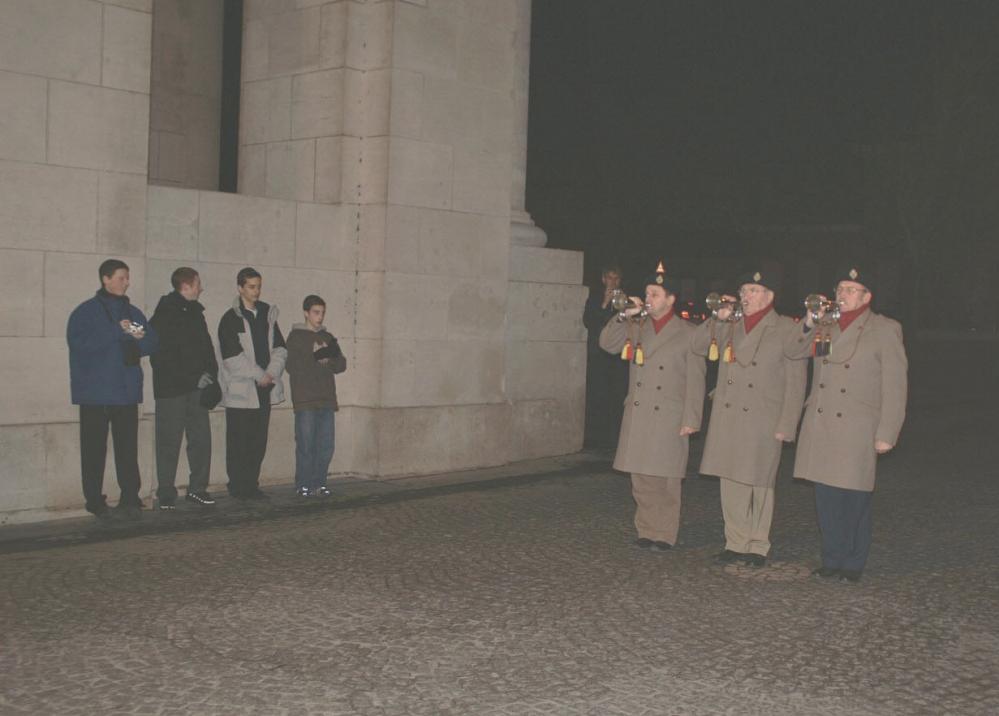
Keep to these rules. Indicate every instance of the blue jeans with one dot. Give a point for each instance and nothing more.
(314, 444)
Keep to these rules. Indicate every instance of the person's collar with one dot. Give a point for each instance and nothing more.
(751, 321)
(848, 317)
(104, 293)
(659, 323)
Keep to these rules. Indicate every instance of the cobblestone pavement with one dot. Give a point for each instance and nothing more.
(522, 596)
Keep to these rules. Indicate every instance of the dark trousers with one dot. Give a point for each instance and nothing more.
(606, 388)
(245, 446)
(845, 522)
(175, 418)
(124, 422)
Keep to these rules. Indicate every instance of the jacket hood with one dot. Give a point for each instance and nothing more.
(305, 327)
(175, 300)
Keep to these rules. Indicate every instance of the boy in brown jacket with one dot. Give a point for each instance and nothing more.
(314, 357)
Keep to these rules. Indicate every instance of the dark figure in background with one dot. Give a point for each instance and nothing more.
(107, 337)
(184, 368)
(606, 375)
(253, 358)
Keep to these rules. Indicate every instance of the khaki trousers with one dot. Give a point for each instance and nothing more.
(748, 512)
(657, 501)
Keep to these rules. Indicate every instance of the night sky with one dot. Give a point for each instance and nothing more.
(692, 129)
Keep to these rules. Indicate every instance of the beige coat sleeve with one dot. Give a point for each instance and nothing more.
(894, 384)
(798, 342)
(795, 374)
(613, 335)
(693, 404)
(701, 340)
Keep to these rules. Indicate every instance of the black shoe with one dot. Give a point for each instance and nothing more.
(849, 575)
(130, 511)
(643, 542)
(661, 546)
(825, 572)
(103, 514)
(755, 560)
(200, 498)
(727, 556)
(167, 504)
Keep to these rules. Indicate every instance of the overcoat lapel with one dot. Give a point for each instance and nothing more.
(844, 343)
(745, 344)
(652, 341)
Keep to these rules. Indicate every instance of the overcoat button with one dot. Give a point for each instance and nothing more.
(656, 408)
(728, 405)
(754, 363)
(730, 381)
(745, 410)
(842, 390)
(822, 385)
(846, 365)
(636, 402)
(750, 385)
(839, 415)
(639, 384)
(660, 367)
(659, 387)
(820, 409)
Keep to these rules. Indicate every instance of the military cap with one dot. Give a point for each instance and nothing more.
(659, 278)
(857, 274)
(757, 276)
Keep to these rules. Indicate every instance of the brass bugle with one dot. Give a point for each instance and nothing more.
(715, 303)
(621, 302)
(815, 303)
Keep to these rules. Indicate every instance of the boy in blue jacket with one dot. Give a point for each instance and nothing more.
(107, 337)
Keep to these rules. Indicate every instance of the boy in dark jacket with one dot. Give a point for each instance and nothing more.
(184, 365)
(314, 357)
(107, 336)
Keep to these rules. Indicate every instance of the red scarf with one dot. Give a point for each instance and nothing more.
(660, 323)
(848, 317)
(750, 321)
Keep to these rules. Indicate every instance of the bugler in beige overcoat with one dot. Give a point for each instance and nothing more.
(758, 395)
(663, 395)
(858, 396)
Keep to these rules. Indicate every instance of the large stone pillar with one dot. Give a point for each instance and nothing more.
(523, 230)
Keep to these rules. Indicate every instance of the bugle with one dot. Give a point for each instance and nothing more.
(715, 302)
(815, 303)
(621, 302)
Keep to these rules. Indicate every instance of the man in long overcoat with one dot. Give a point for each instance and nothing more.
(755, 409)
(854, 413)
(662, 408)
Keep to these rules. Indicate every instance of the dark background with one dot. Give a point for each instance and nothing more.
(793, 135)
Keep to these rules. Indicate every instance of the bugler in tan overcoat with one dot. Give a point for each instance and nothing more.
(664, 394)
(757, 395)
(858, 396)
